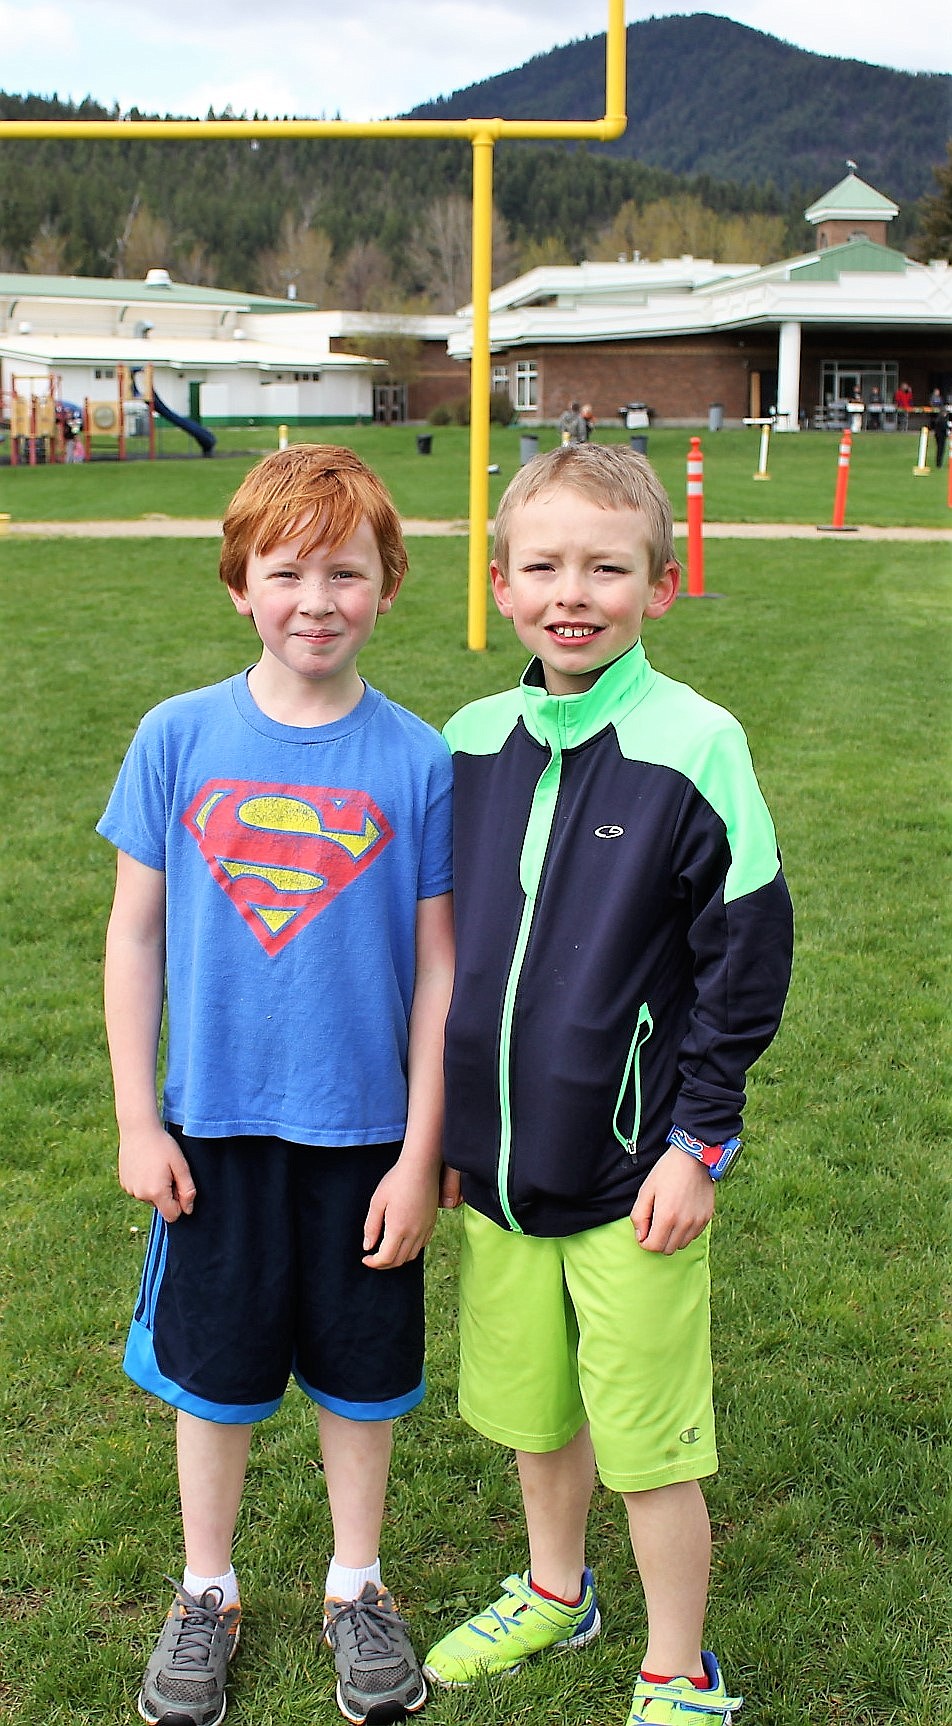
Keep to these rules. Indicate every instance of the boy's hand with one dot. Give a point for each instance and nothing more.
(451, 1193)
(152, 1167)
(401, 1217)
(675, 1204)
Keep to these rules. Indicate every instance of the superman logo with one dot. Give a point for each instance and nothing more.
(283, 853)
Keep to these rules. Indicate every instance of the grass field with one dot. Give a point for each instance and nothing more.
(832, 1513)
(883, 489)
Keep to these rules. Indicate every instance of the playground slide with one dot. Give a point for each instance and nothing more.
(203, 437)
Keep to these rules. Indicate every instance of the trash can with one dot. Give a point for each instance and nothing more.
(424, 443)
(715, 416)
(635, 415)
(639, 442)
(528, 447)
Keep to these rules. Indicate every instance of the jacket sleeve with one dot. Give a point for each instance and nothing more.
(740, 934)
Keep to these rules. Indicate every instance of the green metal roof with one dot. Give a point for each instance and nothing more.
(854, 255)
(125, 291)
(852, 198)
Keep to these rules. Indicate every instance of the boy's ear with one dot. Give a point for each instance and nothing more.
(240, 601)
(502, 593)
(385, 604)
(664, 592)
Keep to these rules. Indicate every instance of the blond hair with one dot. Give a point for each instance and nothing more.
(611, 475)
(318, 492)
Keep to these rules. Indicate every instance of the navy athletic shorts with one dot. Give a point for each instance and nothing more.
(264, 1281)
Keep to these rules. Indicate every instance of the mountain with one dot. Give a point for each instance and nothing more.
(708, 96)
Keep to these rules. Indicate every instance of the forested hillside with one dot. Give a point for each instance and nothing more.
(356, 222)
(708, 95)
(732, 134)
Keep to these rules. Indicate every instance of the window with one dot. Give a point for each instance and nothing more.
(102, 372)
(527, 386)
(499, 378)
(840, 379)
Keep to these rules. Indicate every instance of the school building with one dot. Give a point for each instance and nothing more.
(687, 336)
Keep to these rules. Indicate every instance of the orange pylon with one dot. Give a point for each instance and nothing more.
(695, 520)
(842, 479)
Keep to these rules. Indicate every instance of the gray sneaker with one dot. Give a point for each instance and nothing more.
(378, 1674)
(184, 1682)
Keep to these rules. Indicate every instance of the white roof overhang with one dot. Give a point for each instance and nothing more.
(922, 297)
(175, 355)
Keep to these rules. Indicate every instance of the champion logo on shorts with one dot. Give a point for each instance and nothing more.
(283, 853)
(690, 1435)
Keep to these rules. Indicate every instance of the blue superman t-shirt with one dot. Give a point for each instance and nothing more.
(294, 859)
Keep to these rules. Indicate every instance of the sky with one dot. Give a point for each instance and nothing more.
(367, 59)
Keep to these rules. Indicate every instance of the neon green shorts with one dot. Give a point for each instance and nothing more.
(589, 1327)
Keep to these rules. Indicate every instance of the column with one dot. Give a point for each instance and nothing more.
(788, 378)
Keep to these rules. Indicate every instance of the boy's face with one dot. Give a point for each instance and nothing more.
(578, 585)
(314, 613)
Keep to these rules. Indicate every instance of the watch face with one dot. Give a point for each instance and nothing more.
(729, 1152)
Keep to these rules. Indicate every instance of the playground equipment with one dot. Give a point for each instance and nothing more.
(44, 428)
(34, 433)
(205, 439)
(482, 135)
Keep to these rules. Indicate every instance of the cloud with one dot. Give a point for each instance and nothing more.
(34, 32)
(367, 59)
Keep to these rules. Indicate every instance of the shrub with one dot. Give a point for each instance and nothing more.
(501, 410)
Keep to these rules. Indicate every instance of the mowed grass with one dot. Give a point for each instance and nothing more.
(830, 1598)
(884, 490)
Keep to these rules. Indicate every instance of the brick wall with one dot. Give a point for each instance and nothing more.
(436, 378)
(677, 377)
(680, 377)
(836, 233)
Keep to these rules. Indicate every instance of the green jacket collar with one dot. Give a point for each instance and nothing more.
(565, 721)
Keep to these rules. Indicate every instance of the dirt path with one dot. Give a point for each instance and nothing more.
(174, 527)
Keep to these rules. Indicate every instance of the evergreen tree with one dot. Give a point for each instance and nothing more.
(935, 214)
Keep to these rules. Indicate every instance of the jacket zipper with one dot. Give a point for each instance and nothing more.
(532, 862)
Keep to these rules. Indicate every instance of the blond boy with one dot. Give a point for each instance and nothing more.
(623, 953)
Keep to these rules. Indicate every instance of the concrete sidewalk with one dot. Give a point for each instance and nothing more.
(175, 527)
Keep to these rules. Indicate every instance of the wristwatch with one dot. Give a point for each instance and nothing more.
(717, 1159)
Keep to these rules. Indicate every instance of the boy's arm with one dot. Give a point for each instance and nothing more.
(402, 1212)
(741, 941)
(151, 1166)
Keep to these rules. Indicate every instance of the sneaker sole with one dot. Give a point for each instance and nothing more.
(174, 1718)
(570, 1645)
(171, 1717)
(379, 1713)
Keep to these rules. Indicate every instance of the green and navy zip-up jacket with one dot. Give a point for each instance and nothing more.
(624, 940)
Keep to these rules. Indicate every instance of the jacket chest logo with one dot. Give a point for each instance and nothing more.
(609, 831)
(283, 853)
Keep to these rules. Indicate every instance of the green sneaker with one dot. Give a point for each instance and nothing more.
(184, 1682)
(378, 1674)
(680, 1703)
(521, 1622)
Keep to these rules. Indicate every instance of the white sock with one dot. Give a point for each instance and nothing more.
(196, 1586)
(345, 1584)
